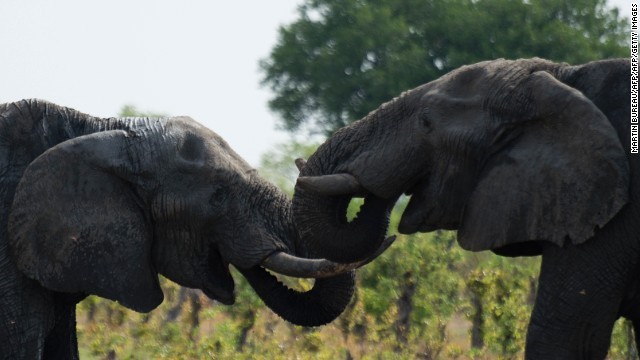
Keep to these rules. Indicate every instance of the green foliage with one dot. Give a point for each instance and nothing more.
(278, 164)
(623, 345)
(417, 278)
(410, 303)
(505, 291)
(341, 59)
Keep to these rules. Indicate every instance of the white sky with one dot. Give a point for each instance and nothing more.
(197, 58)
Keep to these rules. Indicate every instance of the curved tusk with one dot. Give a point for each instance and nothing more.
(290, 265)
(332, 185)
(300, 163)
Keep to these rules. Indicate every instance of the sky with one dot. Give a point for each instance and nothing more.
(197, 58)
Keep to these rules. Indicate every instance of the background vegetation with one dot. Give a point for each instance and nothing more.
(342, 59)
(425, 298)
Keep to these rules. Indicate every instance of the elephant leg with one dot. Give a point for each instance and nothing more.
(62, 341)
(580, 292)
(26, 315)
(630, 307)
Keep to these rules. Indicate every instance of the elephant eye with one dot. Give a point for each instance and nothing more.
(424, 118)
(219, 196)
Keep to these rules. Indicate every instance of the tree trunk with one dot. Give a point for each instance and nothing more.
(477, 322)
(248, 320)
(402, 324)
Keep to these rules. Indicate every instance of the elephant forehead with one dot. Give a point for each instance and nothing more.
(186, 128)
(447, 102)
(201, 149)
(472, 79)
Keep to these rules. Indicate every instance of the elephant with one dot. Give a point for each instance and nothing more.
(103, 205)
(522, 157)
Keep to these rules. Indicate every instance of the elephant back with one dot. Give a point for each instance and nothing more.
(29, 127)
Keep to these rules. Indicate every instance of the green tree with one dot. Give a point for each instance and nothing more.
(278, 164)
(501, 292)
(342, 59)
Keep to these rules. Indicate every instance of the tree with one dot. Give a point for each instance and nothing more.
(342, 59)
(278, 164)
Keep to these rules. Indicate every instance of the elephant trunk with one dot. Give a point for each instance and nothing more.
(358, 160)
(322, 304)
(334, 284)
(333, 288)
(321, 216)
(328, 234)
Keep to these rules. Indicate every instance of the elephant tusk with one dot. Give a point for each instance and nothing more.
(290, 265)
(332, 185)
(300, 163)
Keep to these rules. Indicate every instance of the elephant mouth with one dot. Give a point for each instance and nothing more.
(218, 283)
(423, 214)
(411, 227)
(219, 292)
(419, 216)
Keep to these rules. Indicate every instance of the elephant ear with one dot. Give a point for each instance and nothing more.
(563, 176)
(77, 224)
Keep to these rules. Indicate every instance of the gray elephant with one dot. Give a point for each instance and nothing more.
(524, 157)
(102, 206)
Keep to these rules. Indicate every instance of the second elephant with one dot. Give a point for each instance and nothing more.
(522, 157)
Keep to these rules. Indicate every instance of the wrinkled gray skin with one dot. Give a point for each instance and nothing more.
(522, 157)
(102, 206)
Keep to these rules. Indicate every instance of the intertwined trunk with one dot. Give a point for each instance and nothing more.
(328, 234)
(322, 304)
(329, 296)
(322, 221)
(369, 151)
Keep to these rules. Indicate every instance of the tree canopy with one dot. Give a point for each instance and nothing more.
(341, 59)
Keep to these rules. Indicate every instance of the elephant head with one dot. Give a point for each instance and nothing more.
(503, 151)
(115, 202)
